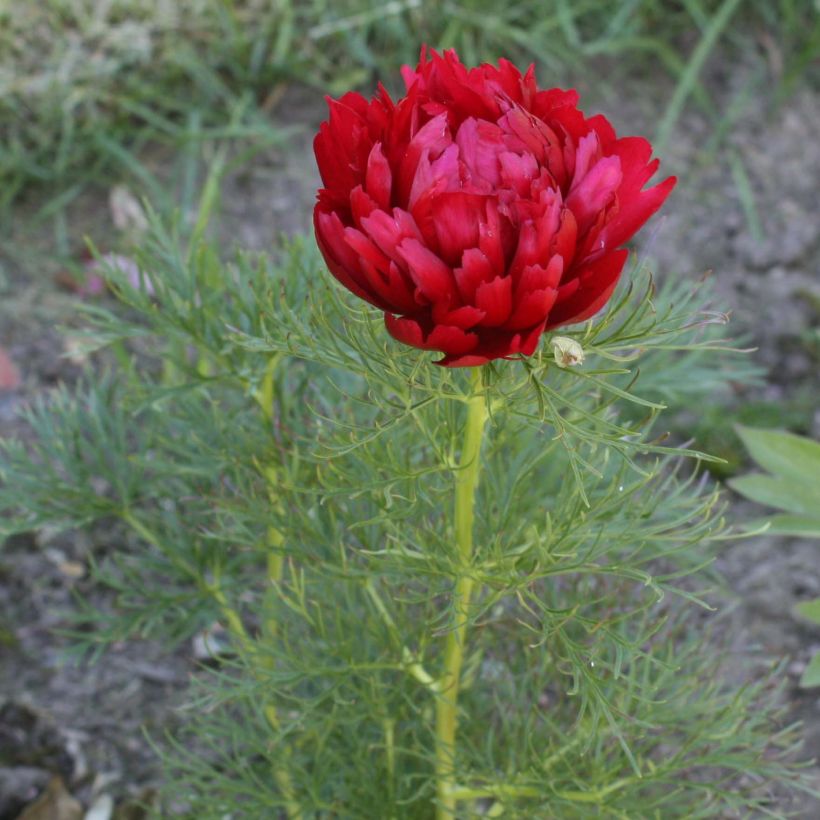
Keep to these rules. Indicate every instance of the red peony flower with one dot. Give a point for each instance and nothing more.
(478, 211)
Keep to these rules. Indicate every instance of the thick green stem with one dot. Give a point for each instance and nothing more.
(275, 563)
(447, 703)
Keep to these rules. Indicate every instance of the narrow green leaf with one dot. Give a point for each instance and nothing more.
(784, 454)
(774, 492)
(809, 610)
(747, 197)
(811, 677)
(805, 526)
(688, 79)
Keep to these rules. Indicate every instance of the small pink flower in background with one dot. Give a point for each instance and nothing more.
(9, 373)
(95, 279)
(478, 211)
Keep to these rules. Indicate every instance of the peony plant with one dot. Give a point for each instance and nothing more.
(476, 589)
(477, 212)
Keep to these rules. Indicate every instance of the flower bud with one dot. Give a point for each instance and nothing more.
(567, 351)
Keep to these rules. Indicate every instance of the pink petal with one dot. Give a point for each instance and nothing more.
(518, 171)
(479, 147)
(432, 138)
(587, 154)
(9, 374)
(435, 177)
(596, 190)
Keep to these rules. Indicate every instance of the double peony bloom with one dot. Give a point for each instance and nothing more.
(478, 211)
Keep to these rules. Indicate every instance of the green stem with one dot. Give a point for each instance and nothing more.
(447, 703)
(237, 630)
(275, 565)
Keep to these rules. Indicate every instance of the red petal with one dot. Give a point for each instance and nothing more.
(467, 360)
(527, 251)
(407, 331)
(447, 339)
(633, 213)
(464, 317)
(563, 243)
(452, 340)
(365, 248)
(494, 235)
(538, 277)
(634, 205)
(531, 339)
(361, 205)
(595, 286)
(341, 260)
(495, 299)
(379, 177)
(432, 277)
(456, 219)
(475, 269)
(603, 128)
(393, 292)
(532, 309)
(388, 232)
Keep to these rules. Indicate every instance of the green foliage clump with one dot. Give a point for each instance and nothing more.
(278, 465)
(86, 83)
(790, 484)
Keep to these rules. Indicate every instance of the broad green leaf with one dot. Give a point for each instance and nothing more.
(806, 526)
(774, 492)
(784, 454)
(811, 677)
(810, 610)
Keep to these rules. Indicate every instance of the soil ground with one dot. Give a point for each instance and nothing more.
(88, 723)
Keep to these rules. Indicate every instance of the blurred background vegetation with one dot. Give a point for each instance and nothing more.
(84, 83)
(207, 108)
(150, 94)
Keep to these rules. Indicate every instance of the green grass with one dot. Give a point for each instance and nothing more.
(80, 76)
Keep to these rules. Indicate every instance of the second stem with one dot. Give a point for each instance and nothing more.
(446, 707)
